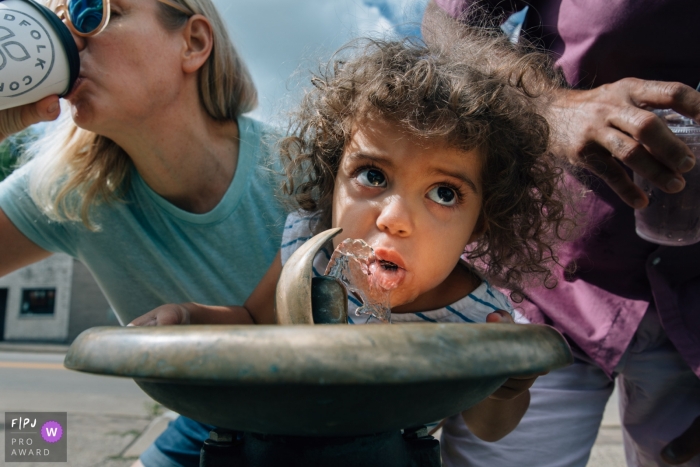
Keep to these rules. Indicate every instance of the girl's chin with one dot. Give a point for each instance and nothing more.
(399, 300)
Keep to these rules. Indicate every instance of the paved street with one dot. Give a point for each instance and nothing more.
(105, 415)
(111, 420)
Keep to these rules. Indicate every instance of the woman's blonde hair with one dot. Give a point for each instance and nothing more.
(79, 168)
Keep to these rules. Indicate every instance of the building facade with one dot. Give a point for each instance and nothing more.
(53, 300)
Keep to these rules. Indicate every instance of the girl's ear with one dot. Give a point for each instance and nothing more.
(479, 229)
(199, 42)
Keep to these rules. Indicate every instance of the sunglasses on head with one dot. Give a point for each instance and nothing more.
(87, 18)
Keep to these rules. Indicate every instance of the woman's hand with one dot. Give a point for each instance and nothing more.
(193, 313)
(18, 118)
(597, 128)
(164, 315)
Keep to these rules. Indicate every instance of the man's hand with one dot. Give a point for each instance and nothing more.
(685, 447)
(614, 121)
(165, 315)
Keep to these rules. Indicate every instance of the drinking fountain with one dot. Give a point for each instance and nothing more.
(312, 391)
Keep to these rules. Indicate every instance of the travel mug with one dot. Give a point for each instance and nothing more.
(38, 56)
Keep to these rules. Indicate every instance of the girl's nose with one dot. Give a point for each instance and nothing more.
(395, 217)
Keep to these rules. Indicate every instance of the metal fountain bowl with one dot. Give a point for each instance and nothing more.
(301, 379)
(310, 380)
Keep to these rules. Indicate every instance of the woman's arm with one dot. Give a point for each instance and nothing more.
(16, 250)
(258, 309)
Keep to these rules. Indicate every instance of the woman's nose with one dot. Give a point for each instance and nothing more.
(395, 217)
(79, 41)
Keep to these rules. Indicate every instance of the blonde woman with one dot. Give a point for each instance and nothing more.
(154, 180)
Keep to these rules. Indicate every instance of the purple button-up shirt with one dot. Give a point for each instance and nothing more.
(599, 307)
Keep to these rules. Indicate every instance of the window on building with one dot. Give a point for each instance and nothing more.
(38, 302)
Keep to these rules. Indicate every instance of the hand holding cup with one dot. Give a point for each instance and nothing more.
(16, 119)
(39, 62)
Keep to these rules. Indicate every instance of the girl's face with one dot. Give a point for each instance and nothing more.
(416, 203)
(130, 71)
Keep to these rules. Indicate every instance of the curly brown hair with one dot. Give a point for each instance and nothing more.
(485, 95)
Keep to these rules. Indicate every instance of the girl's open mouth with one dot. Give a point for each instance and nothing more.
(387, 275)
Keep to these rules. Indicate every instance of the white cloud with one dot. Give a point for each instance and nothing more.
(404, 15)
(280, 37)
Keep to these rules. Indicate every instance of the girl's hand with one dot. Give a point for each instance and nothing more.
(500, 316)
(165, 315)
(17, 119)
(516, 385)
(499, 414)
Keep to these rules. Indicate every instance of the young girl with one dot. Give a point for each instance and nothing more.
(421, 152)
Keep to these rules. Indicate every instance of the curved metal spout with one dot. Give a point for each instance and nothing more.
(293, 295)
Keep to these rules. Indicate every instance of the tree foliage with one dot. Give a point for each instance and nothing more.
(12, 149)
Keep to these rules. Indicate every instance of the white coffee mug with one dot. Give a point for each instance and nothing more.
(38, 56)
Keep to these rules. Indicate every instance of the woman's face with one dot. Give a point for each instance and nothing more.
(416, 203)
(130, 71)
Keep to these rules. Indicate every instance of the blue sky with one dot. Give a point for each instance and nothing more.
(280, 40)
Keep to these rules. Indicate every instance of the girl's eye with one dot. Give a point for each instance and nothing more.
(443, 195)
(371, 177)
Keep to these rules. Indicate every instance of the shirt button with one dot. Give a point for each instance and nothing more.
(656, 261)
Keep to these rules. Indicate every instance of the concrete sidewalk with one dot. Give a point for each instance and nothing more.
(608, 450)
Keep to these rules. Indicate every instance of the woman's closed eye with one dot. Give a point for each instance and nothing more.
(371, 177)
(445, 196)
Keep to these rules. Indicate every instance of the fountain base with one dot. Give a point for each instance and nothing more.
(412, 448)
